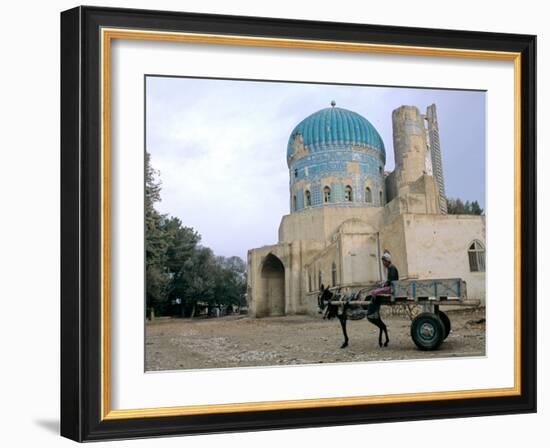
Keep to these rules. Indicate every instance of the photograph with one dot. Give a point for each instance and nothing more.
(298, 223)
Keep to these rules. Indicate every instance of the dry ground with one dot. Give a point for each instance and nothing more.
(240, 341)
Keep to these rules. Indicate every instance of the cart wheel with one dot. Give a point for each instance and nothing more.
(427, 331)
(446, 322)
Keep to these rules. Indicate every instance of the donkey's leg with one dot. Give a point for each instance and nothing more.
(373, 316)
(375, 321)
(385, 329)
(381, 326)
(343, 319)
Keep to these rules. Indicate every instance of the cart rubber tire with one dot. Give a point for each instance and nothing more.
(446, 322)
(427, 331)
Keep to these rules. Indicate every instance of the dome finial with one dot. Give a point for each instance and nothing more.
(333, 103)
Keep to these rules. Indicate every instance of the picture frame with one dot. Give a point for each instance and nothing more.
(86, 37)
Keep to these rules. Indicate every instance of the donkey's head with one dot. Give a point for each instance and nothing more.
(325, 298)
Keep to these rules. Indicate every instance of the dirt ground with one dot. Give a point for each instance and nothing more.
(240, 341)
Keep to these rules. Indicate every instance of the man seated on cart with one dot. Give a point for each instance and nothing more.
(384, 288)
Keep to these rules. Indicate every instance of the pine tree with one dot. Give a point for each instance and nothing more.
(455, 206)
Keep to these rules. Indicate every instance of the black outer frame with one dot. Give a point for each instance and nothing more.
(80, 223)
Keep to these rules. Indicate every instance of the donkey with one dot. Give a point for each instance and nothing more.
(342, 312)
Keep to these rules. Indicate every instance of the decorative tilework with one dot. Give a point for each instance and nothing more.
(299, 199)
(316, 195)
(337, 192)
(336, 125)
(334, 139)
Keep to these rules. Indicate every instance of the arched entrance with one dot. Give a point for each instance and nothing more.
(273, 286)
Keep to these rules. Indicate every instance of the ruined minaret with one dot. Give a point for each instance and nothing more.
(412, 159)
(418, 175)
(435, 150)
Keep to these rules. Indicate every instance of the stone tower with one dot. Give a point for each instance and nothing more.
(412, 159)
(413, 180)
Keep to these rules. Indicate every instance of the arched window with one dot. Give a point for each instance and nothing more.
(348, 194)
(294, 204)
(476, 256)
(368, 195)
(326, 194)
(333, 273)
(309, 282)
(320, 279)
(308, 198)
(381, 198)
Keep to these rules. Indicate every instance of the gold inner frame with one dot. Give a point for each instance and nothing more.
(107, 35)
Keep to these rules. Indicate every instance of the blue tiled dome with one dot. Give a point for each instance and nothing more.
(338, 126)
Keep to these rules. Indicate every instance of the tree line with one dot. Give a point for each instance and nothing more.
(458, 207)
(180, 272)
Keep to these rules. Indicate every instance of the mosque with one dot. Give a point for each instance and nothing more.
(346, 211)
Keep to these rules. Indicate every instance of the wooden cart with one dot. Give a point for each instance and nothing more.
(429, 328)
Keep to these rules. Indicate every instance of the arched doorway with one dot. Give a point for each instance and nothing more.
(273, 282)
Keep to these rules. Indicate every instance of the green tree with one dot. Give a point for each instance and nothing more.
(178, 269)
(230, 281)
(157, 278)
(476, 209)
(455, 206)
(195, 280)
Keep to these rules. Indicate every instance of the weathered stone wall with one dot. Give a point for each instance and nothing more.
(392, 239)
(437, 247)
(263, 284)
(360, 258)
(319, 224)
(420, 197)
(391, 187)
(352, 257)
(319, 271)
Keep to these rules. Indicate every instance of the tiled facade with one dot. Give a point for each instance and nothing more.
(335, 148)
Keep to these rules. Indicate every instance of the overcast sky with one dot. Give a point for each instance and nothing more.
(220, 147)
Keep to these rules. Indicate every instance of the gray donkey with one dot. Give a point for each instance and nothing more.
(344, 311)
